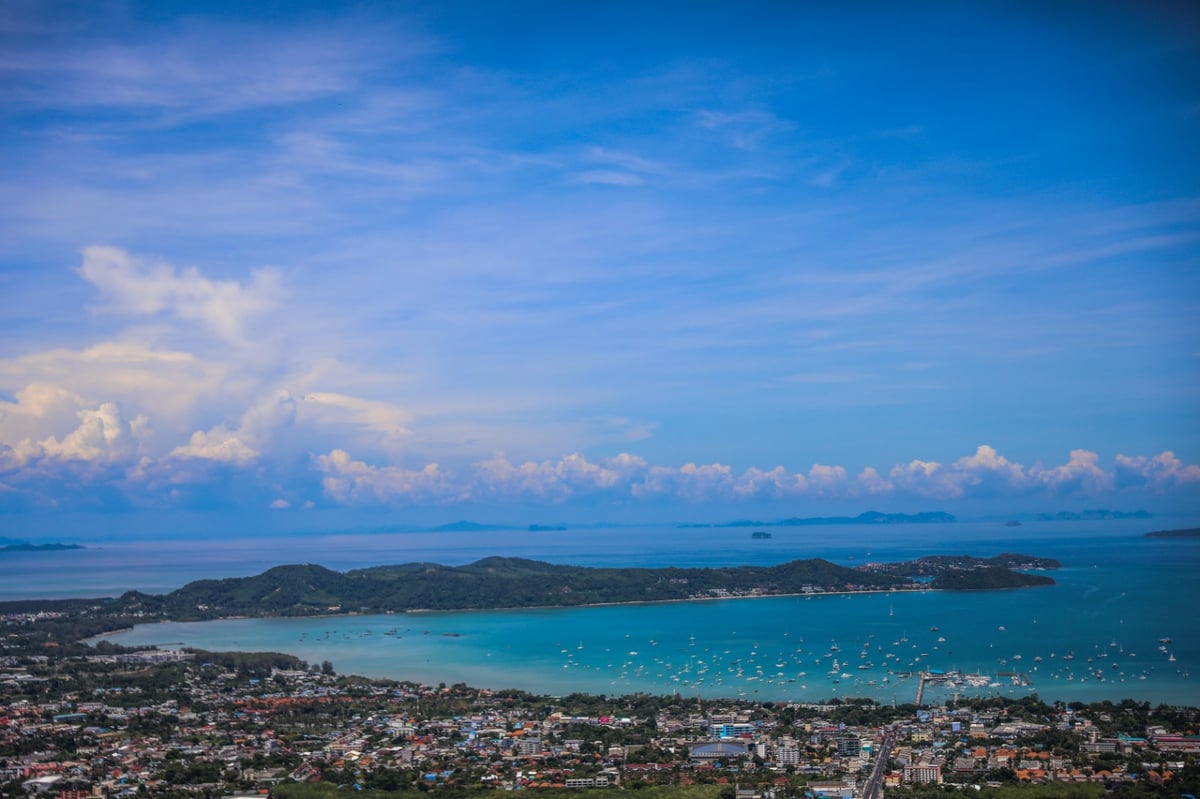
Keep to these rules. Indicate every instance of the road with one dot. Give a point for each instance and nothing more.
(873, 789)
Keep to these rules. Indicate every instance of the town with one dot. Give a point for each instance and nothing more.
(97, 721)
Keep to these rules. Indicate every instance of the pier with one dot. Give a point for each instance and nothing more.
(953, 677)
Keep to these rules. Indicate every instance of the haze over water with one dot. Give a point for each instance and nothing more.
(1116, 596)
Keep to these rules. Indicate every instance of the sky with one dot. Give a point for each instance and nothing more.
(586, 261)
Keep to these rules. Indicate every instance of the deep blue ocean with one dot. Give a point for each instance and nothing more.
(1120, 622)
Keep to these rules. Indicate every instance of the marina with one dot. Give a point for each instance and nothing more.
(1107, 629)
(768, 648)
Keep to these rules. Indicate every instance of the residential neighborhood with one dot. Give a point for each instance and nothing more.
(107, 722)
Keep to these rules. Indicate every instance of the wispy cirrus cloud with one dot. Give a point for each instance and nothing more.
(174, 74)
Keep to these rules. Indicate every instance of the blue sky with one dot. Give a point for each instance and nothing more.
(577, 261)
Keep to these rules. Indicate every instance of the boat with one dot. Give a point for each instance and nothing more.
(760, 534)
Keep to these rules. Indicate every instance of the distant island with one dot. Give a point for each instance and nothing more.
(1100, 514)
(23, 547)
(870, 517)
(502, 582)
(1190, 532)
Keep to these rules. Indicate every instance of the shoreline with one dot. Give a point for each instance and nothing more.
(435, 611)
(355, 641)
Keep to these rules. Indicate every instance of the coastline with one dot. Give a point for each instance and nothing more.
(514, 608)
(616, 649)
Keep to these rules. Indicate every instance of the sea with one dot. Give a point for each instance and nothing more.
(1122, 620)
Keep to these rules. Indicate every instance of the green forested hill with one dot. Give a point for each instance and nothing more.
(515, 582)
(491, 583)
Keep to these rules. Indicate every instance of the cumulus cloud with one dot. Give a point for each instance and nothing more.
(1081, 474)
(38, 409)
(217, 444)
(981, 475)
(242, 446)
(777, 482)
(924, 478)
(348, 480)
(689, 482)
(985, 473)
(50, 383)
(826, 480)
(138, 287)
(873, 483)
(1160, 472)
(102, 436)
(549, 479)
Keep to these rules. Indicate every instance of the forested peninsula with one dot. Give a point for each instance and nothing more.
(497, 582)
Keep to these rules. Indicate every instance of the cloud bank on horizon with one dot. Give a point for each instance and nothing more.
(599, 257)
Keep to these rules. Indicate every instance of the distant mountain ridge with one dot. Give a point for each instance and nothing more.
(869, 517)
(24, 546)
(1098, 514)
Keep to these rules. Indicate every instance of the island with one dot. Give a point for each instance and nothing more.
(505, 582)
(1097, 514)
(1189, 532)
(23, 547)
(869, 517)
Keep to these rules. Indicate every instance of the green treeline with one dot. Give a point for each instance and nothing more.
(305, 590)
(489, 583)
(986, 578)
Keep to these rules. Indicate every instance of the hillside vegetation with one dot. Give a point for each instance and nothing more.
(497, 582)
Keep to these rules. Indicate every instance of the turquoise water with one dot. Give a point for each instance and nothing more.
(1094, 635)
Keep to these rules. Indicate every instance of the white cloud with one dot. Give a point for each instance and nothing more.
(985, 473)
(982, 475)
(1081, 474)
(133, 373)
(548, 479)
(925, 478)
(39, 409)
(101, 436)
(388, 421)
(1159, 472)
(826, 480)
(243, 445)
(872, 483)
(690, 482)
(217, 444)
(777, 482)
(280, 504)
(138, 287)
(347, 480)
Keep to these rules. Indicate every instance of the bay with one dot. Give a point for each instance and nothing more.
(1094, 635)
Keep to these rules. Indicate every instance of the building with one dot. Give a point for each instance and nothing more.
(529, 747)
(923, 774)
